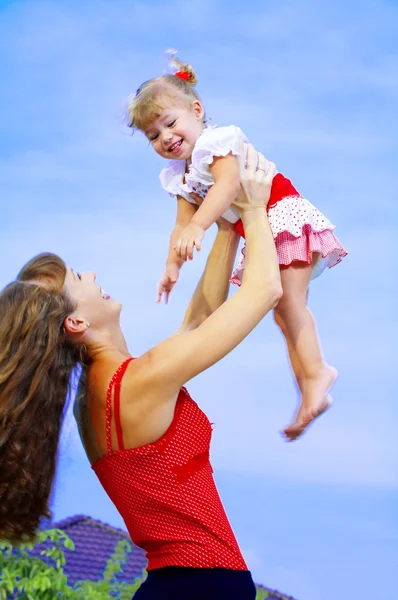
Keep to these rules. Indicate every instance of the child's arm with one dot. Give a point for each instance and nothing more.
(225, 172)
(185, 212)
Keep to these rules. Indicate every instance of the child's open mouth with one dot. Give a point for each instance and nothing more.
(175, 148)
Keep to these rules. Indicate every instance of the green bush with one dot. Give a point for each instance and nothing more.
(24, 577)
(30, 578)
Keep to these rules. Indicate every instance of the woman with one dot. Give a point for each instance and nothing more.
(147, 440)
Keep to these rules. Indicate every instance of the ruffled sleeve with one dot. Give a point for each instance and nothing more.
(214, 142)
(171, 177)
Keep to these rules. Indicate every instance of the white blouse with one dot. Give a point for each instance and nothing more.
(213, 142)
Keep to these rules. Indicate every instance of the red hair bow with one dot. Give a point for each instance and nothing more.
(182, 75)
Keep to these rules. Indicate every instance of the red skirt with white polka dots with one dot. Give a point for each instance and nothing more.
(299, 229)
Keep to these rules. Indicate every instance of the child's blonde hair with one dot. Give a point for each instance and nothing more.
(153, 96)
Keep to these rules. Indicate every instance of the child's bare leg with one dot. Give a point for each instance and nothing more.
(297, 370)
(301, 334)
(294, 360)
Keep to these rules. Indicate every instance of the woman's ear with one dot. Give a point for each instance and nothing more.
(74, 325)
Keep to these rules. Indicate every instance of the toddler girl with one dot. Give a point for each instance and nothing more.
(203, 174)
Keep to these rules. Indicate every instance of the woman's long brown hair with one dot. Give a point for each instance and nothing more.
(36, 363)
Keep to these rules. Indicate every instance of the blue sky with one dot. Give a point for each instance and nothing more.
(314, 85)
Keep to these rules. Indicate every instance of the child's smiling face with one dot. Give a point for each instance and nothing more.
(174, 134)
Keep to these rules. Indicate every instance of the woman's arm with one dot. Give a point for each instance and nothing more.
(212, 289)
(179, 358)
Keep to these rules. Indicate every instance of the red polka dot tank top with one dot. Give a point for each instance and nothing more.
(165, 491)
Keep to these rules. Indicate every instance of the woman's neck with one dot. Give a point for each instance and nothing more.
(108, 342)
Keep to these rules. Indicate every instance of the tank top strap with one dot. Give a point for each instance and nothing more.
(114, 385)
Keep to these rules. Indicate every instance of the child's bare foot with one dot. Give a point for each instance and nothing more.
(315, 401)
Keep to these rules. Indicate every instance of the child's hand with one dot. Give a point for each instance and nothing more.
(168, 281)
(192, 235)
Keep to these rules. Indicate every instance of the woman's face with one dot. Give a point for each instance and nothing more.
(93, 305)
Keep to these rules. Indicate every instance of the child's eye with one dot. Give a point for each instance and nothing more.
(171, 123)
(153, 137)
(79, 276)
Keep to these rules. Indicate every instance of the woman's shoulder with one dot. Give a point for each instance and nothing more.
(101, 373)
(137, 376)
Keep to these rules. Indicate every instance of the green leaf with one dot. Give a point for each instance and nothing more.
(69, 544)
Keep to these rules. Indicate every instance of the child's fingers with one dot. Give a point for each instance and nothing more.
(163, 286)
(190, 250)
(173, 273)
(183, 250)
(177, 247)
(161, 290)
(198, 244)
